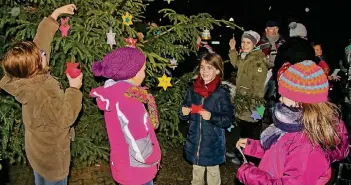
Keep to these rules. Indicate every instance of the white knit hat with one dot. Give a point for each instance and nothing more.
(252, 35)
(297, 30)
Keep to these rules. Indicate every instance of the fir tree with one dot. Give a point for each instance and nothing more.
(85, 44)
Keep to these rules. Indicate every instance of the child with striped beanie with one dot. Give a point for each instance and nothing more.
(305, 137)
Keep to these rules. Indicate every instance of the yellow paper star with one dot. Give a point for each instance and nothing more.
(127, 19)
(164, 82)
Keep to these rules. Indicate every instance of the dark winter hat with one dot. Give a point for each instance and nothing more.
(121, 64)
(271, 24)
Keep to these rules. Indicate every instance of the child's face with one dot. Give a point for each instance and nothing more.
(246, 45)
(208, 72)
(288, 102)
(318, 50)
(140, 76)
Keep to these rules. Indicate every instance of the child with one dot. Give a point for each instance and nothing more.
(306, 135)
(205, 143)
(135, 153)
(252, 68)
(48, 112)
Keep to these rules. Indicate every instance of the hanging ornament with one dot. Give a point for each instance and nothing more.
(64, 28)
(260, 110)
(164, 82)
(169, 1)
(72, 69)
(206, 35)
(127, 19)
(255, 116)
(15, 11)
(111, 38)
(130, 42)
(230, 128)
(174, 63)
(258, 113)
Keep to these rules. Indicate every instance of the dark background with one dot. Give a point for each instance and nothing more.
(327, 22)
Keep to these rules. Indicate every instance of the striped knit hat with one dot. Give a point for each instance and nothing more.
(304, 82)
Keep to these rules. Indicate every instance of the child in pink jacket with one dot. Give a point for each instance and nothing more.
(135, 152)
(305, 137)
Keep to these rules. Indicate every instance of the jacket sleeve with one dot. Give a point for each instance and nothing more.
(233, 56)
(139, 134)
(253, 148)
(45, 34)
(225, 116)
(186, 103)
(298, 163)
(342, 149)
(63, 110)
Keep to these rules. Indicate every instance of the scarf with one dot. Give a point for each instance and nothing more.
(141, 94)
(285, 120)
(205, 90)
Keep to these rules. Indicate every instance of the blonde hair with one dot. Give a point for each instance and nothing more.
(214, 60)
(320, 123)
(23, 60)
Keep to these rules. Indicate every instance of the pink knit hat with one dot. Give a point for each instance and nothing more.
(304, 82)
(121, 64)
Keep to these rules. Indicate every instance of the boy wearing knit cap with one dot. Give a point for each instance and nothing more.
(305, 137)
(134, 149)
(252, 71)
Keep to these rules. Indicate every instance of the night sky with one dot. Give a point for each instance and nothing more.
(327, 22)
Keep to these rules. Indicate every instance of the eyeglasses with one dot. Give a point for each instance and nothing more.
(42, 53)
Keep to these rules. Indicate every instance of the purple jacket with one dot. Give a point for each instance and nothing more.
(135, 152)
(292, 160)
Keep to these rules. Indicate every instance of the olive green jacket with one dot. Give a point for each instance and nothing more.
(251, 75)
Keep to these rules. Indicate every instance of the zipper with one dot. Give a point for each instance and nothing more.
(198, 147)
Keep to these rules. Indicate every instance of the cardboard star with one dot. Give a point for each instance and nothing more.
(127, 19)
(130, 42)
(230, 128)
(168, 1)
(111, 38)
(72, 69)
(195, 109)
(164, 82)
(260, 110)
(174, 63)
(255, 116)
(15, 11)
(64, 28)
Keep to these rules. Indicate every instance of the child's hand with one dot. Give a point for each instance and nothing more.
(241, 143)
(186, 111)
(75, 82)
(205, 114)
(232, 44)
(67, 9)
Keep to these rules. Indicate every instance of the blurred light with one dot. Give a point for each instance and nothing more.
(270, 7)
(307, 9)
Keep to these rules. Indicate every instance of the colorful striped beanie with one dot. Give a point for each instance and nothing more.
(304, 82)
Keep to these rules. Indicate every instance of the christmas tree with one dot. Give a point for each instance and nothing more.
(85, 43)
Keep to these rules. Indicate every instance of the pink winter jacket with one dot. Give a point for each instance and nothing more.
(135, 152)
(292, 160)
